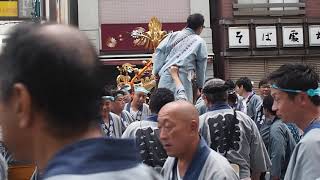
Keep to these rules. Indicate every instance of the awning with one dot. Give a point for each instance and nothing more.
(136, 59)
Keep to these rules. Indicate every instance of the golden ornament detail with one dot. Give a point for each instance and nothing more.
(150, 40)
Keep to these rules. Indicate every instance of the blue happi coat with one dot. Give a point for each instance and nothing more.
(98, 158)
(186, 50)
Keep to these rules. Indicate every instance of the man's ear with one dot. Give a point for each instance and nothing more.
(22, 105)
(205, 99)
(195, 127)
(302, 98)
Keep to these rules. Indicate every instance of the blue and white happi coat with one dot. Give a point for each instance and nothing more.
(98, 159)
(186, 50)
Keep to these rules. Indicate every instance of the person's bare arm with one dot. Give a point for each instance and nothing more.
(174, 71)
(180, 92)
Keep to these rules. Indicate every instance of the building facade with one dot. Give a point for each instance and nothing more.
(109, 23)
(254, 37)
(15, 11)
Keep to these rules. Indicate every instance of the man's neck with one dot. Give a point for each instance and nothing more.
(185, 160)
(246, 94)
(106, 117)
(117, 113)
(134, 106)
(44, 153)
(269, 116)
(308, 117)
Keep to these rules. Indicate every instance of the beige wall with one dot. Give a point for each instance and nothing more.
(88, 13)
(129, 11)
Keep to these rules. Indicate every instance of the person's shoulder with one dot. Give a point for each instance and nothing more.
(143, 172)
(246, 122)
(168, 164)
(138, 172)
(134, 126)
(311, 139)
(219, 166)
(126, 112)
(203, 116)
(217, 157)
(244, 117)
(256, 98)
(216, 113)
(200, 40)
(145, 105)
(145, 124)
(279, 126)
(308, 146)
(114, 116)
(131, 129)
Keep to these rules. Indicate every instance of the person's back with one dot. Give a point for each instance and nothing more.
(51, 97)
(146, 135)
(277, 139)
(185, 49)
(232, 133)
(245, 146)
(146, 132)
(280, 148)
(98, 159)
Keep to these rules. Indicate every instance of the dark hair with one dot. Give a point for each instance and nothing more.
(195, 90)
(297, 77)
(159, 98)
(230, 84)
(267, 104)
(61, 77)
(245, 82)
(263, 82)
(195, 21)
(232, 96)
(215, 91)
(107, 90)
(116, 92)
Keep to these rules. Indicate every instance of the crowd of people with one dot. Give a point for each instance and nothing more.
(56, 113)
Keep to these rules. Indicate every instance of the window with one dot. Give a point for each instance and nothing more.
(268, 7)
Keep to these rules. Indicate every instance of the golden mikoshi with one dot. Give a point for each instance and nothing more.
(142, 77)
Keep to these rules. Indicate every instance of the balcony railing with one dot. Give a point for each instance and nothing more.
(269, 9)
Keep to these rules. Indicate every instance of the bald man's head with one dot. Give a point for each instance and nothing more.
(182, 110)
(60, 70)
(178, 123)
(70, 39)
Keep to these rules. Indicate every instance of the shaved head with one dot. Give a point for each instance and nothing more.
(183, 111)
(70, 38)
(59, 68)
(178, 123)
